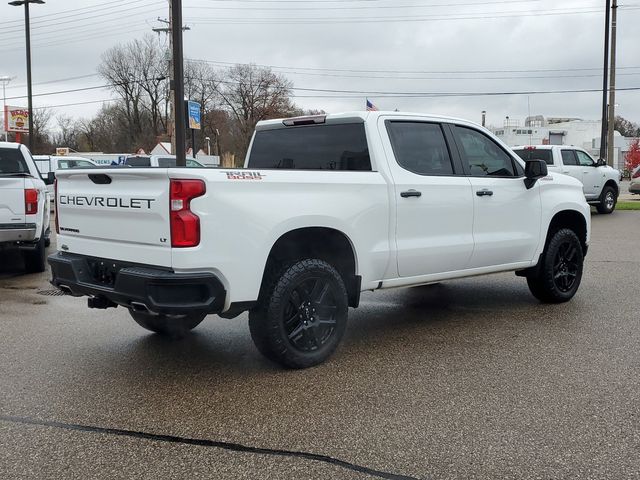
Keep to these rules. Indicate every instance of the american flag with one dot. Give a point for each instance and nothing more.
(371, 107)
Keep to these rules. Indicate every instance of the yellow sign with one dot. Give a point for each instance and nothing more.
(62, 151)
(16, 119)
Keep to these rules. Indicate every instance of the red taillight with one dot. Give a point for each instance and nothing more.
(529, 148)
(55, 199)
(30, 201)
(185, 225)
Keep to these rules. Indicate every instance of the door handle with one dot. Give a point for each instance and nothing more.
(411, 193)
(484, 193)
(565, 171)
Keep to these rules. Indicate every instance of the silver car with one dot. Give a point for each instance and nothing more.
(634, 186)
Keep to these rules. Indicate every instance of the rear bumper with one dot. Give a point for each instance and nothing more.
(17, 232)
(141, 287)
(634, 188)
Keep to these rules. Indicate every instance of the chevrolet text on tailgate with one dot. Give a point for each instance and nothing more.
(326, 207)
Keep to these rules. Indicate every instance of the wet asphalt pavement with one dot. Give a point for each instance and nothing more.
(466, 379)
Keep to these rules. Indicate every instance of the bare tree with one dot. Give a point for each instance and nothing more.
(67, 133)
(136, 72)
(251, 94)
(41, 134)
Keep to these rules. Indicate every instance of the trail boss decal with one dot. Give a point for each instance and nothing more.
(244, 176)
(107, 202)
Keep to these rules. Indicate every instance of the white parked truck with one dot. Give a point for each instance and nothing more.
(600, 183)
(24, 206)
(326, 207)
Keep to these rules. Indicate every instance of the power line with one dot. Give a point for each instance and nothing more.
(57, 24)
(386, 19)
(391, 77)
(75, 104)
(362, 7)
(36, 17)
(358, 92)
(319, 69)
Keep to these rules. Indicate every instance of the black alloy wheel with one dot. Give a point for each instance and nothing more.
(557, 276)
(310, 314)
(565, 266)
(301, 314)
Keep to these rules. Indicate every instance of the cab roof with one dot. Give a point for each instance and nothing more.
(353, 117)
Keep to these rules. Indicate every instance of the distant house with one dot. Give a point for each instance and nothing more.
(162, 148)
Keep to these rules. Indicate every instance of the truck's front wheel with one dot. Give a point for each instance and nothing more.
(175, 326)
(301, 315)
(557, 277)
(607, 200)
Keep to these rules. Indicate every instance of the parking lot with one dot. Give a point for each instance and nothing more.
(467, 379)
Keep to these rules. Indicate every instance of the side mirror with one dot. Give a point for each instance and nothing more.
(50, 178)
(600, 163)
(533, 170)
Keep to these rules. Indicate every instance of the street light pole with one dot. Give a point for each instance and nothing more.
(5, 80)
(27, 29)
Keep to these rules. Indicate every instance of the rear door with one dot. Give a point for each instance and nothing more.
(570, 165)
(119, 213)
(434, 202)
(13, 170)
(507, 215)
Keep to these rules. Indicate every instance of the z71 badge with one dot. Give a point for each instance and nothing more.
(244, 175)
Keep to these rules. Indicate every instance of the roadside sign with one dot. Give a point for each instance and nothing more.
(193, 109)
(16, 119)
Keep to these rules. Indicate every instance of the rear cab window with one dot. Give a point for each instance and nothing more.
(312, 147)
(138, 161)
(12, 161)
(546, 155)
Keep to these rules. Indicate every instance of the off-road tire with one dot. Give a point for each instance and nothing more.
(35, 260)
(174, 326)
(608, 201)
(301, 314)
(557, 277)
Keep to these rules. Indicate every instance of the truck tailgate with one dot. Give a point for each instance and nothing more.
(116, 213)
(11, 201)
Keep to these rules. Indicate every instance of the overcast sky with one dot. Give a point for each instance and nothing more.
(377, 47)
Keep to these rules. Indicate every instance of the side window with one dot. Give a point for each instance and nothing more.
(569, 157)
(584, 159)
(62, 164)
(420, 147)
(484, 156)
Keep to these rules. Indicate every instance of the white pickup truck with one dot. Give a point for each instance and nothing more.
(326, 207)
(600, 183)
(24, 205)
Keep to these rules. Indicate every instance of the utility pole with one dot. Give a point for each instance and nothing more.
(178, 83)
(171, 126)
(5, 81)
(603, 131)
(612, 87)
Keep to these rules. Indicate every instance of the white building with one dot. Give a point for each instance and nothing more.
(538, 130)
